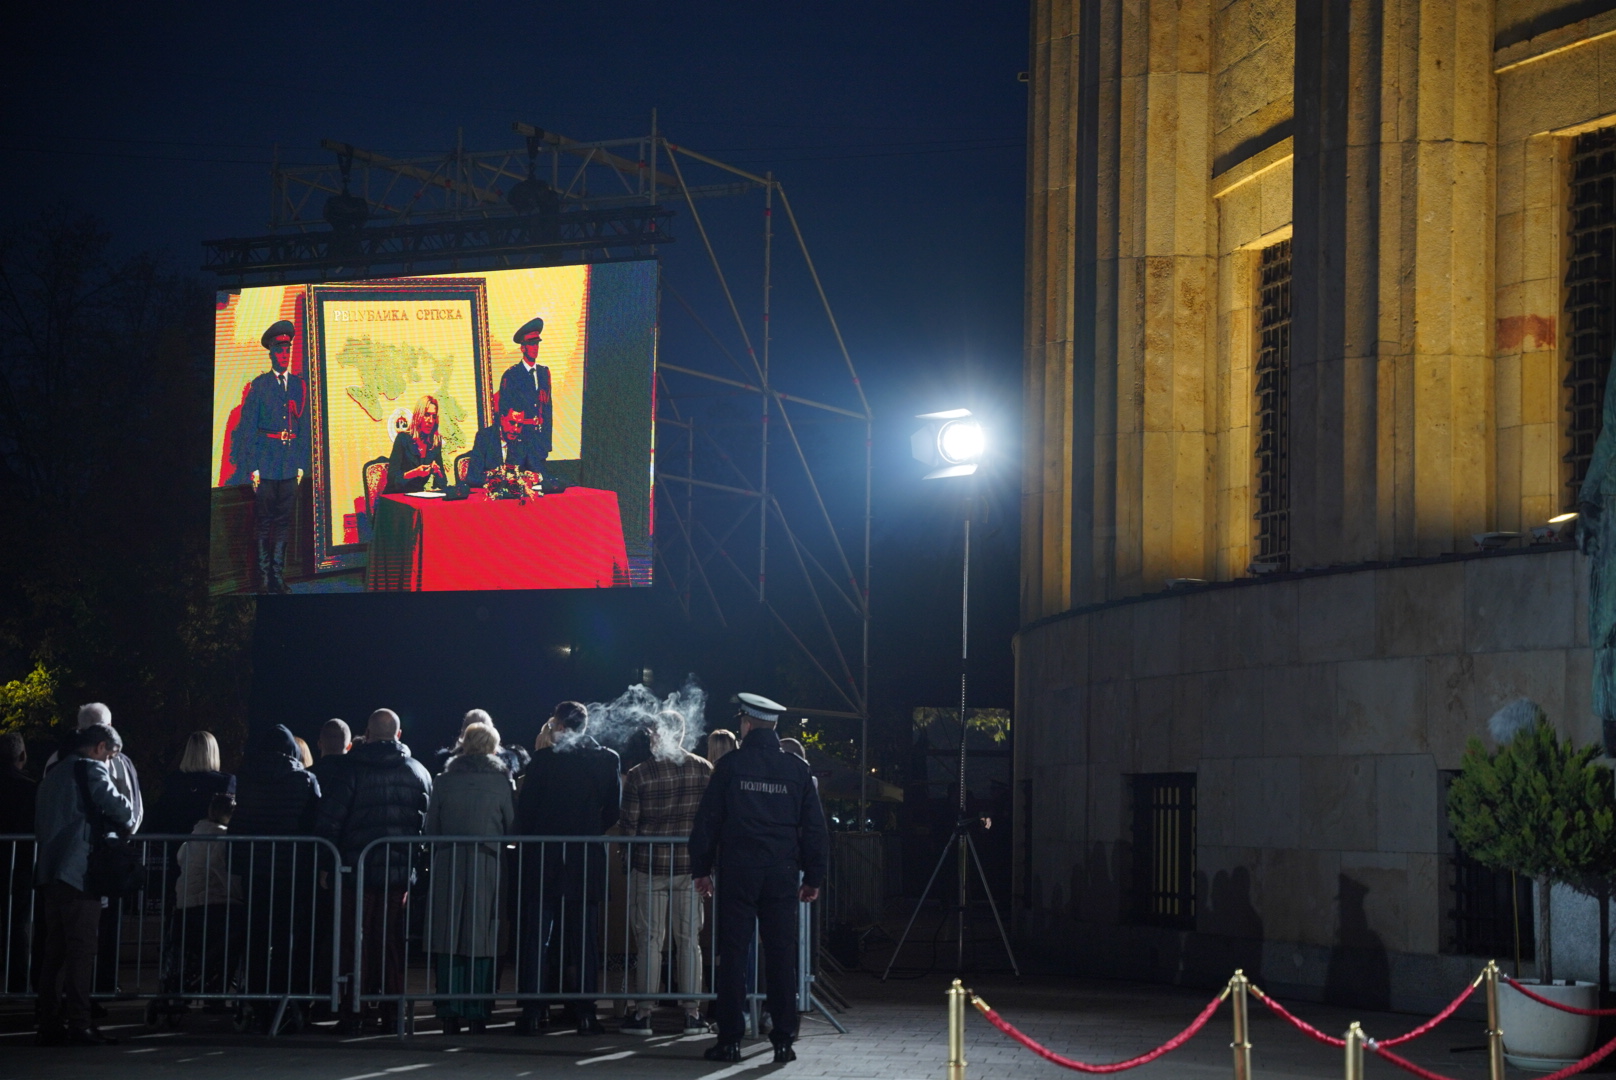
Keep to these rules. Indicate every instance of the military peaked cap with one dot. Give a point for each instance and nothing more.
(281, 330)
(532, 326)
(759, 707)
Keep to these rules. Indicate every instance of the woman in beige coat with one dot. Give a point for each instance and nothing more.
(473, 797)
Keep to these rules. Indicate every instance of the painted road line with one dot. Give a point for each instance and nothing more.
(619, 1056)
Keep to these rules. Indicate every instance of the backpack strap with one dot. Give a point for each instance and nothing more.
(92, 812)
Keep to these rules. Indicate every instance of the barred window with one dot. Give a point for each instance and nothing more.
(1589, 293)
(1273, 381)
(1164, 849)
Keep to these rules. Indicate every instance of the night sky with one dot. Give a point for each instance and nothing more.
(897, 128)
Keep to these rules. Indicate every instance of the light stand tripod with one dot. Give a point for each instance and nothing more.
(961, 840)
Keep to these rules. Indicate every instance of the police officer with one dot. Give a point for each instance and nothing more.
(526, 386)
(277, 452)
(761, 823)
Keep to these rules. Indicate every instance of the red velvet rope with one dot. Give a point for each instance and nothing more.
(1404, 1063)
(1435, 1020)
(1300, 1025)
(1144, 1059)
(1570, 1070)
(1541, 1000)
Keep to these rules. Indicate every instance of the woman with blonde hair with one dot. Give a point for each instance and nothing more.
(473, 797)
(720, 743)
(417, 456)
(189, 791)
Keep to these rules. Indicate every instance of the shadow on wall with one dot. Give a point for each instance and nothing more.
(1096, 896)
(1360, 972)
(1231, 930)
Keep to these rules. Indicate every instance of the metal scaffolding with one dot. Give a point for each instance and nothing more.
(555, 200)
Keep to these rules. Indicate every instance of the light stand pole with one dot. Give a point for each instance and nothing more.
(932, 446)
(962, 830)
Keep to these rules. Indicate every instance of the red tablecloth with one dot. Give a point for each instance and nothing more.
(573, 540)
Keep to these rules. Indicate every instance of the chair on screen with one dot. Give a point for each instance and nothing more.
(375, 473)
(463, 467)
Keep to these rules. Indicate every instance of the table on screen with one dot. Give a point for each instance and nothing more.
(573, 540)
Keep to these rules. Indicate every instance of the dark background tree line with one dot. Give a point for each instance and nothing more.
(105, 378)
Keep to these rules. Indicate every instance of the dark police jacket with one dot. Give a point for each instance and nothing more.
(485, 456)
(516, 390)
(760, 810)
(270, 410)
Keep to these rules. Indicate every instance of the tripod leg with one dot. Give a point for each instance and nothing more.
(941, 859)
(1003, 937)
(820, 1006)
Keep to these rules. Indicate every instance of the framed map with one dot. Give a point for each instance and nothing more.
(375, 352)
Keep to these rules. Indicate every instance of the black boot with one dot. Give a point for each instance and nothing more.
(723, 1051)
(264, 582)
(277, 569)
(783, 1052)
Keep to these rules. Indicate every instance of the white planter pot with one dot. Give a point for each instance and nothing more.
(1541, 1039)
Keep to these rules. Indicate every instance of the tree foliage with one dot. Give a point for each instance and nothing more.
(28, 704)
(1537, 806)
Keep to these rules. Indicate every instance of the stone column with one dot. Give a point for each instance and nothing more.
(1051, 458)
(1437, 199)
(1163, 290)
(1391, 377)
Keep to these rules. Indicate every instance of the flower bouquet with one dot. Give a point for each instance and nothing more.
(511, 482)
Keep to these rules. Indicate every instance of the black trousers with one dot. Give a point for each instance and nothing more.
(272, 509)
(765, 899)
(72, 922)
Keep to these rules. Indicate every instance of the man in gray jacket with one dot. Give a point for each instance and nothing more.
(64, 834)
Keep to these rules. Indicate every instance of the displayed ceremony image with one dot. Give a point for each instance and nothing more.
(877, 541)
(458, 432)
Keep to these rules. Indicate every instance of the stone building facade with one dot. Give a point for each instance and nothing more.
(1316, 293)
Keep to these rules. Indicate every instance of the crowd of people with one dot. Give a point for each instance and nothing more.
(249, 914)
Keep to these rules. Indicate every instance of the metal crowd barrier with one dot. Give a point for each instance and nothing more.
(269, 926)
(246, 922)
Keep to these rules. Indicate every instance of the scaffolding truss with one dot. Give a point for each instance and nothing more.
(746, 521)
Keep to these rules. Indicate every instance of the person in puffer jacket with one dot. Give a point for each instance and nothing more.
(380, 791)
(276, 796)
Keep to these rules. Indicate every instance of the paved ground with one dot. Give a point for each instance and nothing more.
(897, 1030)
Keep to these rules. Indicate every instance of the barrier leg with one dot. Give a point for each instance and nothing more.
(1354, 1054)
(1241, 1047)
(1495, 1035)
(956, 1031)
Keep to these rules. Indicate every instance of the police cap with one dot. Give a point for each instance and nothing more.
(760, 708)
(281, 331)
(529, 329)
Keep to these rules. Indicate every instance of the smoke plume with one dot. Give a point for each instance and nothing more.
(674, 722)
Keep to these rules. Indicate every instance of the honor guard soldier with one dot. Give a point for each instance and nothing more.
(526, 386)
(761, 824)
(277, 444)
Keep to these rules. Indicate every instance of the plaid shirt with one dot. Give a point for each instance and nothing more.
(660, 799)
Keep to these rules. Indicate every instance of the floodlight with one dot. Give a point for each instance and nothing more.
(951, 440)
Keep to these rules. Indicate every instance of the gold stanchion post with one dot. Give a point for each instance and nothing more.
(1355, 1041)
(1495, 1034)
(1241, 1047)
(957, 996)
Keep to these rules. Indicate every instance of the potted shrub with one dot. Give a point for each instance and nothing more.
(1539, 807)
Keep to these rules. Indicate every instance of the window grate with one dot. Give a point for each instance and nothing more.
(1273, 379)
(1483, 913)
(1590, 292)
(1164, 849)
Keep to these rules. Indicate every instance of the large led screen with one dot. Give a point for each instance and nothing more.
(461, 431)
